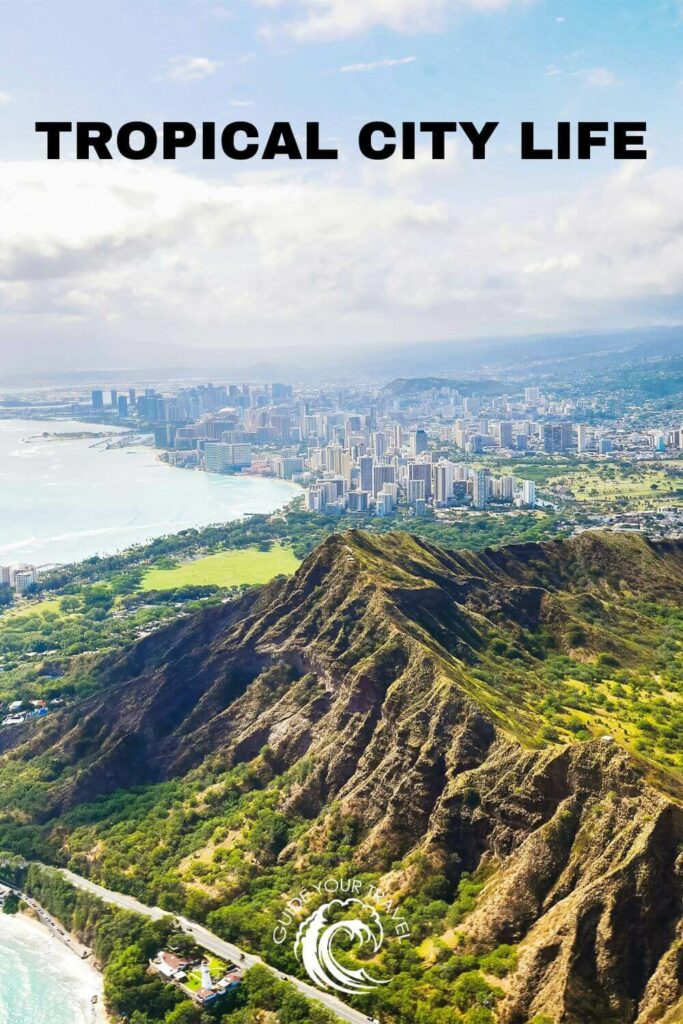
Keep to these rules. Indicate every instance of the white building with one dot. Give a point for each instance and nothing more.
(444, 478)
(529, 493)
(581, 434)
(18, 577)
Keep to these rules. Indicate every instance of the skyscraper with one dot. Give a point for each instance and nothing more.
(479, 489)
(365, 464)
(421, 471)
(581, 438)
(379, 443)
(419, 442)
(97, 400)
(444, 478)
(382, 475)
(557, 437)
(504, 434)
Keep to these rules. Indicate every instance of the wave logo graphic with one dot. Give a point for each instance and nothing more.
(316, 937)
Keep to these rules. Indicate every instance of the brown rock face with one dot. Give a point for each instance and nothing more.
(367, 663)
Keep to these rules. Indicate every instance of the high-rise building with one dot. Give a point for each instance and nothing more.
(164, 435)
(335, 458)
(239, 455)
(557, 437)
(98, 400)
(314, 499)
(122, 406)
(358, 501)
(532, 396)
(444, 478)
(216, 457)
(422, 471)
(605, 446)
(384, 504)
(114, 398)
(382, 475)
(132, 397)
(415, 491)
(581, 432)
(503, 434)
(480, 488)
(507, 488)
(379, 444)
(529, 493)
(365, 463)
(20, 577)
(419, 442)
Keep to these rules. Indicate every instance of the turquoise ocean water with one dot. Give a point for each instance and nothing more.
(41, 981)
(61, 501)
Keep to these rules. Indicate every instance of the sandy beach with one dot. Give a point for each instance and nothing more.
(41, 980)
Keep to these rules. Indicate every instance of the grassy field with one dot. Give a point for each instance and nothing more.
(35, 608)
(217, 968)
(624, 485)
(638, 485)
(226, 569)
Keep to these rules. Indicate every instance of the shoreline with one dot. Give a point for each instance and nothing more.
(27, 928)
(121, 513)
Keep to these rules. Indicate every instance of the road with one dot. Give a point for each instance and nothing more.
(50, 922)
(213, 944)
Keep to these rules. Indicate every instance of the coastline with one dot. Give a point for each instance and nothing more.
(81, 976)
(133, 497)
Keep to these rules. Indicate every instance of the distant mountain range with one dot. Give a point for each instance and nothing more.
(534, 355)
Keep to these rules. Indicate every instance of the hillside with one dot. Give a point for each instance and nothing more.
(496, 735)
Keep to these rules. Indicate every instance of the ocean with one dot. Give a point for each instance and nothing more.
(41, 981)
(64, 500)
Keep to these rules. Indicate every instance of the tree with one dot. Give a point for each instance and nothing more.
(183, 1013)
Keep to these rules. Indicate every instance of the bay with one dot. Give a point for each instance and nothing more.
(64, 500)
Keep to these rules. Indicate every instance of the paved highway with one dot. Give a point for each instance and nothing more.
(207, 940)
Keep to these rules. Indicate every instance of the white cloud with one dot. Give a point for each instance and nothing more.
(242, 103)
(4, 99)
(314, 20)
(373, 65)
(601, 77)
(122, 251)
(190, 69)
(552, 71)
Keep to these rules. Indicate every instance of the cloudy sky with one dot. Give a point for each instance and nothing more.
(100, 260)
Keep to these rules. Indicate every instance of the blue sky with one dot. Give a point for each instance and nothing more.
(353, 252)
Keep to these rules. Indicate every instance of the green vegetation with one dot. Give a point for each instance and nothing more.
(11, 904)
(225, 569)
(47, 643)
(580, 485)
(554, 644)
(124, 943)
